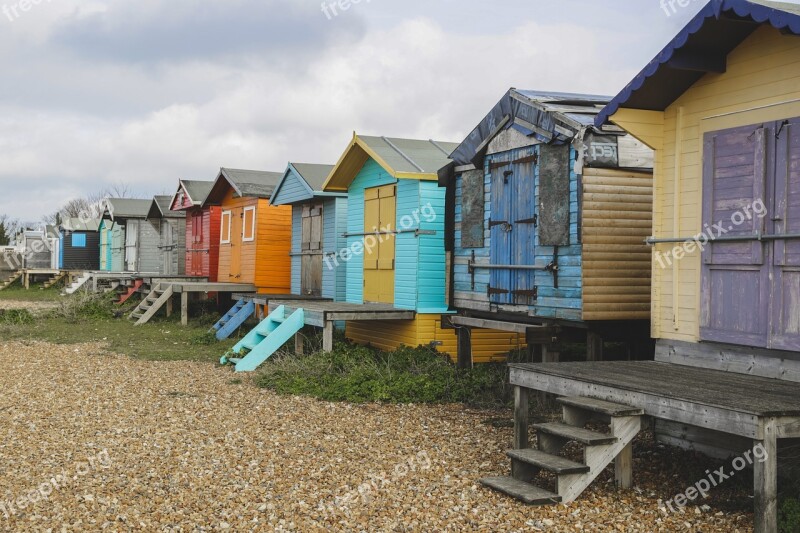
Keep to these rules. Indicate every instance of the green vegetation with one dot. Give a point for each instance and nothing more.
(17, 292)
(96, 318)
(789, 516)
(409, 375)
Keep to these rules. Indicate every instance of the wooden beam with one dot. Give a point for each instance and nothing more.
(327, 336)
(464, 335)
(623, 468)
(594, 346)
(299, 343)
(765, 479)
(521, 406)
(185, 308)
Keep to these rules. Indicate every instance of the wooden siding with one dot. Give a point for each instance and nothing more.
(617, 218)
(148, 251)
(334, 277)
(293, 190)
(762, 83)
(297, 237)
(176, 255)
(202, 253)
(487, 345)
(117, 248)
(562, 303)
(81, 258)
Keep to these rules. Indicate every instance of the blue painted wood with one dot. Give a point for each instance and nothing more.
(334, 226)
(432, 263)
(234, 319)
(407, 246)
(292, 189)
(266, 339)
(297, 248)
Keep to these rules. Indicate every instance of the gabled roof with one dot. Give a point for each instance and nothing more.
(127, 208)
(311, 178)
(79, 224)
(546, 116)
(699, 48)
(196, 191)
(160, 208)
(245, 183)
(401, 158)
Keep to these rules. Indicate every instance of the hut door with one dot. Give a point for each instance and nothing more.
(786, 293)
(104, 234)
(380, 214)
(167, 247)
(311, 262)
(500, 227)
(237, 224)
(196, 245)
(131, 245)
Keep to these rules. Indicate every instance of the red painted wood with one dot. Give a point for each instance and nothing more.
(202, 241)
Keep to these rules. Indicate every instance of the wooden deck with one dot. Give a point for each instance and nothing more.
(324, 314)
(734, 407)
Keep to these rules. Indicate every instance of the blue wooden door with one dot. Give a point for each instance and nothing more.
(735, 284)
(523, 230)
(786, 217)
(500, 226)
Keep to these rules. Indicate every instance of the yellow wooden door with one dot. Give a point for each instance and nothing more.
(380, 213)
(236, 245)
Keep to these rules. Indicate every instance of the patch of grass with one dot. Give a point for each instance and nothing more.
(409, 375)
(17, 292)
(15, 317)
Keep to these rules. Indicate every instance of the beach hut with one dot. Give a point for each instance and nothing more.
(255, 237)
(547, 217)
(720, 106)
(171, 227)
(79, 248)
(319, 222)
(202, 228)
(134, 240)
(106, 232)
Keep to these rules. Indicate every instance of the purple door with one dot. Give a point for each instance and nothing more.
(786, 216)
(751, 274)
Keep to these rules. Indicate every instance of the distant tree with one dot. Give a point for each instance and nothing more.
(5, 238)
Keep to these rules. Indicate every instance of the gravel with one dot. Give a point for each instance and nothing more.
(30, 306)
(120, 444)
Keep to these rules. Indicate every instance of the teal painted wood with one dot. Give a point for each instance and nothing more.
(266, 339)
(297, 248)
(564, 302)
(292, 189)
(334, 226)
(234, 319)
(407, 246)
(371, 175)
(106, 229)
(117, 248)
(432, 264)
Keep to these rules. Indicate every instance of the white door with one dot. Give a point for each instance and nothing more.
(131, 246)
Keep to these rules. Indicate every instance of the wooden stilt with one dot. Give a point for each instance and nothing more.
(594, 346)
(464, 335)
(327, 337)
(535, 353)
(550, 354)
(765, 478)
(169, 307)
(521, 406)
(623, 468)
(185, 308)
(299, 343)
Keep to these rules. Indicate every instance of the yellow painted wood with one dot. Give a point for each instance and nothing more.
(380, 213)
(487, 345)
(762, 83)
(617, 218)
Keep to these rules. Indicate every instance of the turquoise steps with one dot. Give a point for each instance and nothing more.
(265, 339)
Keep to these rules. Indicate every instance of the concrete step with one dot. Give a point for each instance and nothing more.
(600, 406)
(583, 436)
(530, 494)
(545, 461)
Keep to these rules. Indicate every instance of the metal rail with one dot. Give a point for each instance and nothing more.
(725, 238)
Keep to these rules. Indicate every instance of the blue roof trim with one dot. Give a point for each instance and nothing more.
(777, 18)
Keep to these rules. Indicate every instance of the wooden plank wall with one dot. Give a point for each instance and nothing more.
(272, 267)
(334, 281)
(617, 218)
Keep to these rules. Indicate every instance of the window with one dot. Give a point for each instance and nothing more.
(225, 233)
(249, 224)
(79, 240)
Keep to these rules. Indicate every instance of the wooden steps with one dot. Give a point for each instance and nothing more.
(54, 280)
(11, 280)
(233, 319)
(152, 304)
(79, 282)
(265, 339)
(572, 478)
(133, 289)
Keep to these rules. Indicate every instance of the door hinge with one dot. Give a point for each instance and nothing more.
(531, 294)
(534, 221)
(491, 291)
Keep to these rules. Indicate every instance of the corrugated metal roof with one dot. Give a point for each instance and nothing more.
(160, 208)
(78, 224)
(718, 28)
(314, 175)
(546, 116)
(197, 190)
(128, 208)
(252, 183)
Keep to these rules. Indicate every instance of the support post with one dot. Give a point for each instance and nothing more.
(521, 406)
(464, 347)
(535, 353)
(594, 346)
(623, 468)
(26, 278)
(327, 337)
(169, 307)
(765, 478)
(185, 308)
(299, 343)
(550, 354)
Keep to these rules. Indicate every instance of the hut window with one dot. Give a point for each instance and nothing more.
(225, 233)
(472, 209)
(249, 224)
(78, 240)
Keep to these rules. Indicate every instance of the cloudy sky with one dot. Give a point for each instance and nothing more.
(144, 92)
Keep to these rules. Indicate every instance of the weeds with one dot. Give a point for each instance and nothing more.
(84, 305)
(15, 317)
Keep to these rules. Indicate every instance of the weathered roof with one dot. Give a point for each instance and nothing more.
(245, 183)
(79, 224)
(401, 158)
(127, 208)
(310, 176)
(547, 116)
(314, 175)
(197, 190)
(700, 47)
(160, 208)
